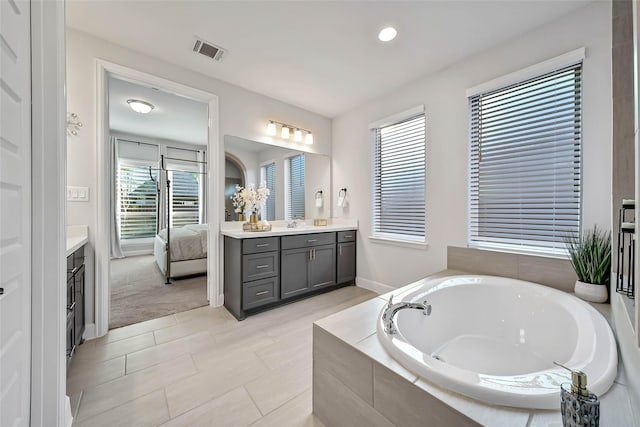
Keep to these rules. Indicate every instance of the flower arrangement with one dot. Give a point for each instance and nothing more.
(250, 199)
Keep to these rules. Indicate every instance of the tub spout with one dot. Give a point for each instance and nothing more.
(391, 309)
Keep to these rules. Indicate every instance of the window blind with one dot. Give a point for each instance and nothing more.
(185, 200)
(138, 201)
(525, 163)
(399, 157)
(268, 176)
(295, 187)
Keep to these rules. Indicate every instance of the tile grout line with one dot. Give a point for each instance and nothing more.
(254, 402)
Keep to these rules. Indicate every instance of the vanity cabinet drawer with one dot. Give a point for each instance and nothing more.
(308, 240)
(346, 236)
(260, 266)
(261, 244)
(259, 293)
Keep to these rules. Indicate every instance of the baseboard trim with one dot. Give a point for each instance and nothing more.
(371, 285)
(89, 331)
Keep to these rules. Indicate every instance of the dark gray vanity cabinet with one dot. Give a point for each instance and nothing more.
(308, 263)
(260, 273)
(251, 273)
(346, 260)
(75, 301)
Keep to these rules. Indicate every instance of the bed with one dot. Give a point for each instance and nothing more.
(188, 250)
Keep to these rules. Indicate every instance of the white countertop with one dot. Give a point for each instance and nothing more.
(279, 228)
(77, 236)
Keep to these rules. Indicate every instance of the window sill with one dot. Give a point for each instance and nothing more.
(518, 251)
(399, 242)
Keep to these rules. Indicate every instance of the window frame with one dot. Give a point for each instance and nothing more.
(378, 236)
(138, 164)
(288, 188)
(536, 72)
(272, 191)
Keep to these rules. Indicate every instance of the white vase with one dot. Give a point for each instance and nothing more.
(590, 292)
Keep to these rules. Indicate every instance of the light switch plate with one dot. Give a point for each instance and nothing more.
(77, 194)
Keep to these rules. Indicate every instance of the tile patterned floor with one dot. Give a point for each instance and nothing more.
(203, 368)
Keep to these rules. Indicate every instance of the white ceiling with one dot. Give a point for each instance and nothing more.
(319, 55)
(174, 117)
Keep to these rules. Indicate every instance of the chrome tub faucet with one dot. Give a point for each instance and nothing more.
(391, 309)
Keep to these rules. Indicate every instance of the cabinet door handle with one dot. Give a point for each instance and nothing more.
(262, 266)
(75, 270)
(310, 254)
(261, 293)
(312, 240)
(340, 250)
(71, 307)
(314, 254)
(348, 236)
(263, 245)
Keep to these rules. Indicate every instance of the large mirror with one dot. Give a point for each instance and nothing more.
(299, 182)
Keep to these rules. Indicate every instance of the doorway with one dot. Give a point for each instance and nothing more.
(179, 161)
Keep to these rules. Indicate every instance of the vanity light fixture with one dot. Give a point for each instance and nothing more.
(387, 34)
(142, 107)
(299, 134)
(271, 129)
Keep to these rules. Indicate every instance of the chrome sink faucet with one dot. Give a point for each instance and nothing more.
(293, 223)
(391, 309)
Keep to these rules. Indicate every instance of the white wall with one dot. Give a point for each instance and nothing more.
(242, 113)
(443, 95)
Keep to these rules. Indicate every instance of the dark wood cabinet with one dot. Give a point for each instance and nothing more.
(261, 273)
(75, 301)
(251, 274)
(346, 257)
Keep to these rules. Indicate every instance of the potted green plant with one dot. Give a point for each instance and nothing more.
(590, 256)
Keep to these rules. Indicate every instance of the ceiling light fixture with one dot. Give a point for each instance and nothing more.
(142, 107)
(387, 34)
(286, 130)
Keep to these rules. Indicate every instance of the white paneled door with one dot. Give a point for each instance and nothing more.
(15, 212)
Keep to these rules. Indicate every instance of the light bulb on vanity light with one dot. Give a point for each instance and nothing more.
(271, 129)
(297, 135)
(308, 139)
(285, 132)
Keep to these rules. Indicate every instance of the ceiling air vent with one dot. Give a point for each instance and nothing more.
(209, 50)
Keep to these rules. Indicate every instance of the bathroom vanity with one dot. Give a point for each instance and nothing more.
(77, 238)
(265, 270)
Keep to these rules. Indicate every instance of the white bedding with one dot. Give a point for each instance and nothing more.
(188, 242)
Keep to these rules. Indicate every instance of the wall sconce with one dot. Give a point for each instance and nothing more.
(73, 124)
(319, 199)
(286, 131)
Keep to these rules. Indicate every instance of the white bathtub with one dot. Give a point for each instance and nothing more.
(495, 340)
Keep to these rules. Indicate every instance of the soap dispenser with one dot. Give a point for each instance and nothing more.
(578, 406)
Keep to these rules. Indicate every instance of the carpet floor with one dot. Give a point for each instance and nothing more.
(138, 292)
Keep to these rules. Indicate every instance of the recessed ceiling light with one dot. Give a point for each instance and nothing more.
(387, 34)
(141, 107)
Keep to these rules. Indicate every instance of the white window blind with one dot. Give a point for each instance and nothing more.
(295, 187)
(268, 176)
(525, 163)
(184, 198)
(138, 201)
(399, 155)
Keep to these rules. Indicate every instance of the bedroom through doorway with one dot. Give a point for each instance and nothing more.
(158, 215)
